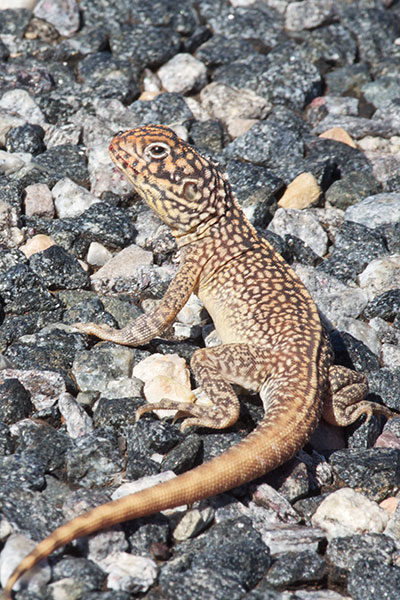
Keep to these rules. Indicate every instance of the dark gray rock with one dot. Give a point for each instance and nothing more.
(149, 535)
(63, 161)
(222, 50)
(352, 188)
(353, 353)
(343, 553)
(46, 443)
(14, 22)
(85, 574)
(15, 402)
(371, 579)
(6, 442)
(354, 248)
(21, 291)
(384, 384)
(95, 458)
(27, 138)
(374, 472)
(165, 108)
(295, 568)
(210, 135)
(386, 306)
(145, 45)
(347, 80)
(59, 269)
(183, 456)
(89, 311)
(116, 412)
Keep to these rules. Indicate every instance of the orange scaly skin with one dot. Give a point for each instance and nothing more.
(272, 338)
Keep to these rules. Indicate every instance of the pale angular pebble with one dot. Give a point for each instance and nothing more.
(183, 73)
(199, 113)
(385, 332)
(210, 336)
(387, 439)
(285, 537)
(5, 530)
(63, 15)
(192, 523)
(303, 225)
(64, 589)
(5, 363)
(391, 356)
(193, 313)
(238, 127)
(131, 487)
(151, 82)
(124, 264)
(308, 14)
(17, 4)
(340, 135)
(36, 244)
(65, 134)
(11, 162)
(362, 331)
(164, 376)
(124, 387)
(20, 102)
(226, 102)
(38, 201)
(104, 176)
(381, 275)
(376, 210)
(70, 199)
(302, 192)
(10, 235)
(45, 387)
(346, 512)
(269, 499)
(129, 573)
(390, 505)
(393, 526)
(15, 549)
(77, 420)
(8, 120)
(98, 254)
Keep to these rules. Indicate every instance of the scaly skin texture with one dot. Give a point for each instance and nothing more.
(272, 338)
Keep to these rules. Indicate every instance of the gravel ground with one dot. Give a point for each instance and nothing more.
(300, 103)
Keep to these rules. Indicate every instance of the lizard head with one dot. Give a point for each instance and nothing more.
(185, 189)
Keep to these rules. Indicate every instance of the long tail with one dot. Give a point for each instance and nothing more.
(279, 435)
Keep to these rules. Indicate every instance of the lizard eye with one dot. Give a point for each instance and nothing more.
(157, 150)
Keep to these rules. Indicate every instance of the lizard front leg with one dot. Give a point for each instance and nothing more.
(152, 324)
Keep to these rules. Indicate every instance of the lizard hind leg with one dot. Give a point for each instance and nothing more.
(345, 401)
(215, 369)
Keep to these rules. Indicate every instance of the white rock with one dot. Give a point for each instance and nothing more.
(129, 573)
(104, 175)
(63, 15)
(381, 275)
(38, 201)
(20, 102)
(17, 4)
(76, 418)
(192, 522)
(15, 549)
(304, 225)
(131, 487)
(70, 199)
(124, 387)
(5, 529)
(164, 376)
(226, 102)
(362, 331)
(183, 73)
(64, 134)
(391, 356)
(193, 313)
(125, 264)
(36, 244)
(346, 512)
(376, 210)
(11, 162)
(98, 254)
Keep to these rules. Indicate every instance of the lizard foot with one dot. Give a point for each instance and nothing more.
(200, 416)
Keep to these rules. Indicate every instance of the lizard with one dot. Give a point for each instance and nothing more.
(273, 341)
